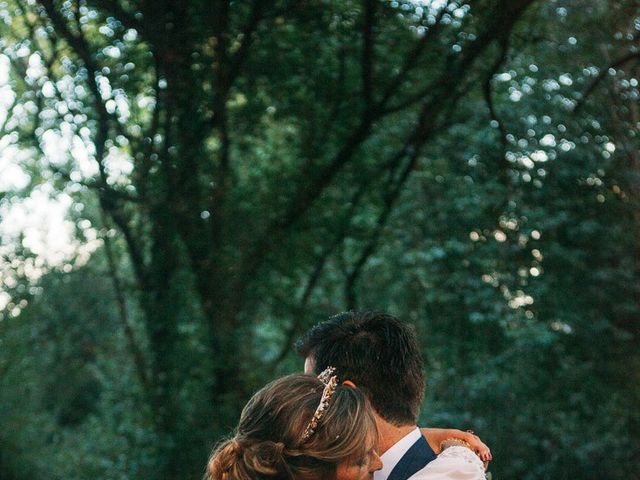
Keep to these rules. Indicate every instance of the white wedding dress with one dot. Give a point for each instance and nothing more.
(454, 463)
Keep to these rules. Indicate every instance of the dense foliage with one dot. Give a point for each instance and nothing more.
(241, 170)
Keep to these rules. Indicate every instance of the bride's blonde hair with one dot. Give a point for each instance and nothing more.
(268, 442)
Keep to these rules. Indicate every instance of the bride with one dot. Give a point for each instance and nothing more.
(302, 427)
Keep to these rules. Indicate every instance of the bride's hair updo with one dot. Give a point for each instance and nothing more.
(269, 444)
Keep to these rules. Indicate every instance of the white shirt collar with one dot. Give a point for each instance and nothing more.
(391, 457)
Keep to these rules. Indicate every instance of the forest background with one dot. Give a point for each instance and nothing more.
(236, 171)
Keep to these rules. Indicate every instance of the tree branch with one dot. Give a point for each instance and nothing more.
(602, 75)
(336, 104)
(257, 14)
(8, 116)
(316, 274)
(487, 92)
(412, 148)
(367, 53)
(412, 57)
(138, 358)
(98, 187)
(79, 45)
(502, 21)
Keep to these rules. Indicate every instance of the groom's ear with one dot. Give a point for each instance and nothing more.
(349, 383)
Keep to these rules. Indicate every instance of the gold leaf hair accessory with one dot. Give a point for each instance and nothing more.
(326, 374)
(330, 383)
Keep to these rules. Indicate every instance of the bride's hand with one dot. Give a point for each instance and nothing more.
(478, 446)
(435, 436)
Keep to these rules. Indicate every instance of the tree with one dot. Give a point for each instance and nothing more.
(192, 98)
(253, 157)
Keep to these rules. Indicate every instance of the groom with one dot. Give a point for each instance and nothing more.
(380, 355)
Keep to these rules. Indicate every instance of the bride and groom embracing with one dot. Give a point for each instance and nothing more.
(355, 420)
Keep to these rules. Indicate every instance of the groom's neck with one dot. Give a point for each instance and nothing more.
(390, 434)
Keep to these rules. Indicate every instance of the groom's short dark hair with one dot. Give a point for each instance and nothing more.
(376, 351)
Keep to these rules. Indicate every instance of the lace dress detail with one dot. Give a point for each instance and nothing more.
(454, 463)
